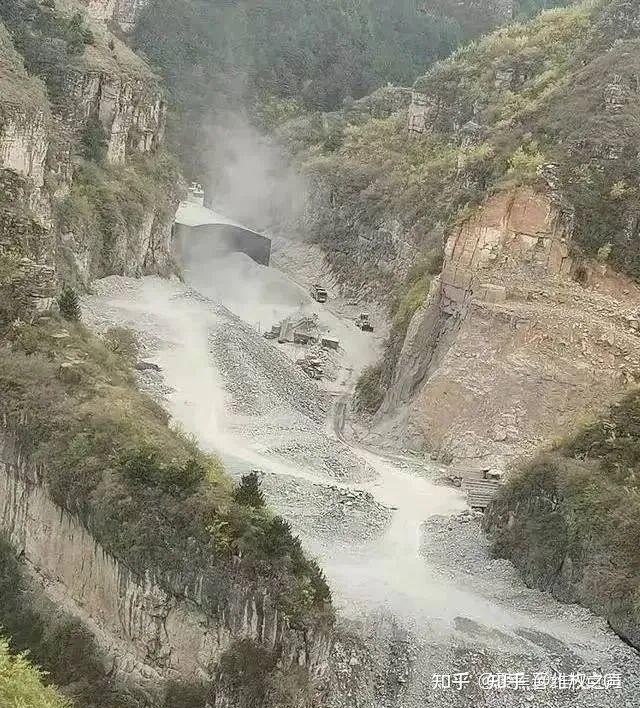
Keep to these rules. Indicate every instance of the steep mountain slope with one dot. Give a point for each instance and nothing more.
(518, 158)
(134, 572)
(81, 146)
(569, 520)
(561, 245)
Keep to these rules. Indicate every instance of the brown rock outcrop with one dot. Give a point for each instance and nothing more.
(517, 341)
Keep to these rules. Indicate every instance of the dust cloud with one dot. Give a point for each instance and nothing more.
(251, 179)
(259, 295)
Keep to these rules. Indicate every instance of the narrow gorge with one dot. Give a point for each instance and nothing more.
(220, 490)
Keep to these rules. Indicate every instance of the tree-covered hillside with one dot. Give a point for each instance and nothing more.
(310, 56)
(551, 102)
(570, 519)
(285, 57)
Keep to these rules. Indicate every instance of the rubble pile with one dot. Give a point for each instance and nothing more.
(312, 366)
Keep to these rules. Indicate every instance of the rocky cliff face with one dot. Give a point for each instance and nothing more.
(367, 252)
(124, 12)
(23, 145)
(514, 161)
(516, 341)
(62, 142)
(148, 636)
(131, 111)
(25, 214)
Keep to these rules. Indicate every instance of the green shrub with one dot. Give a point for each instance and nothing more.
(22, 685)
(246, 667)
(187, 695)
(413, 299)
(77, 34)
(145, 469)
(93, 141)
(69, 304)
(369, 393)
(251, 676)
(248, 492)
(524, 165)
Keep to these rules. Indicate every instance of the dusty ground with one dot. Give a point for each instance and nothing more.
(414, 598)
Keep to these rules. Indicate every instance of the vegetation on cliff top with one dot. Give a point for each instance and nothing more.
(570, 519)
(57, 42)
(560, 91)
(17, 88)
(150, 497)
(478, 139)
(146, 493)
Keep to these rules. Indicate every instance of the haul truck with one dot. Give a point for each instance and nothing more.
(318, 293)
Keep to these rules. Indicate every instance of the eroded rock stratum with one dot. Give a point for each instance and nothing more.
(517, 339)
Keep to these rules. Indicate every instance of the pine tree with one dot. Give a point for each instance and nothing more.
(248, 492)
(69, 304)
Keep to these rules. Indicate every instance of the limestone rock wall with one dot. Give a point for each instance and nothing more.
(124, 12)
(40, 143)
(131, 109)
(24, 141)
(100, 9)
(148, 634)
(127, 12)
(516, 342)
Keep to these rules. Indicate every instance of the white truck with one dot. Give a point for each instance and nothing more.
(318, 293)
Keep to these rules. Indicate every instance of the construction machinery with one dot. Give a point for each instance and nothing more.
(318, 293)
(303, 325)
(363, 322)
